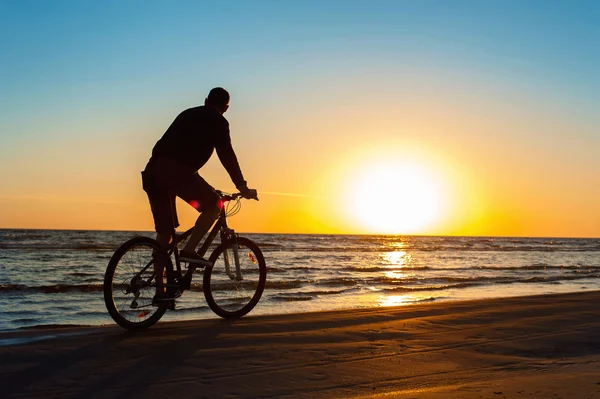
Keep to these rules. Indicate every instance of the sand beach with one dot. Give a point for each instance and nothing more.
(531, 347)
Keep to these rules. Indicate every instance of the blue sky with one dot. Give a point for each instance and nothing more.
(108, 77)
(52, 44)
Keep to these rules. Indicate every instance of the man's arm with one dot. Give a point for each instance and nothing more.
(228, 158)
(230, 162)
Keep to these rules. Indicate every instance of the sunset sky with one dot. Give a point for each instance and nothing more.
(405, 117)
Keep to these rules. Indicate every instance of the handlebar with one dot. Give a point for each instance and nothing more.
(229, 197)
(232, 209)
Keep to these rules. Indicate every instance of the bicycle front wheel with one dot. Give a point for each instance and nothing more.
(236, 281)
(129, 285)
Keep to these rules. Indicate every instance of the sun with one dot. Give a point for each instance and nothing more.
(394, 197)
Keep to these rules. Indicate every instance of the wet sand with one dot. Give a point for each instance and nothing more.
(525, 347)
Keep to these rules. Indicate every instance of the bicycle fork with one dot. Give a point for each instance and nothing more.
(236, 261)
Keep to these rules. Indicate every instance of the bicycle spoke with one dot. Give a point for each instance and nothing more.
(129, 285)
(233, 288)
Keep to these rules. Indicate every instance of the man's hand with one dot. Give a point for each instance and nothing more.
(248, 193)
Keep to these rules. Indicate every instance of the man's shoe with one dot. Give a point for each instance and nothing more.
(192, 257)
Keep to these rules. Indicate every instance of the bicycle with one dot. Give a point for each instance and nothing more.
(232, 284)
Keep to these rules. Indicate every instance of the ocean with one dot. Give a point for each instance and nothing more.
(54, 277)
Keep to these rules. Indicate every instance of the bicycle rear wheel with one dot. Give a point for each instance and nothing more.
(231, 292)
(129, 285)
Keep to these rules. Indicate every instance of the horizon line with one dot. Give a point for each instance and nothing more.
(317, 234)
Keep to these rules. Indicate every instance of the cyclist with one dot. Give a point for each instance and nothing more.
(173, 171)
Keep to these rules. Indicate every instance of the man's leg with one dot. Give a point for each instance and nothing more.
(204, 222)
(162, 204)
(203, 197)
(163, 239)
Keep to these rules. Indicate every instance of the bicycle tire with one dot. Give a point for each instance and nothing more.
(227, 296)
(127, 310)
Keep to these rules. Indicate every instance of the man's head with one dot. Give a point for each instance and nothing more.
(218, 98)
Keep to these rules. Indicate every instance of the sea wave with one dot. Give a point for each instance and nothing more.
(51, 289)
(311, 244)
(520, 248)
(290, 298)
(408, 283)
(406, 268)
(52, 246)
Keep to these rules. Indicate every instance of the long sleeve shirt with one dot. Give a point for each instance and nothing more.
(192, 138)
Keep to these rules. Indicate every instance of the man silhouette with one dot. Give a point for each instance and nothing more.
(172, 171)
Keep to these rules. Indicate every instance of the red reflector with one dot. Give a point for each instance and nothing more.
(141, 315)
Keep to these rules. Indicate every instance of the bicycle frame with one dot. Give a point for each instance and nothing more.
(219, 226)
(184, 281)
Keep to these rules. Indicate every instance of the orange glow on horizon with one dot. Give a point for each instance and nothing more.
(395, 197)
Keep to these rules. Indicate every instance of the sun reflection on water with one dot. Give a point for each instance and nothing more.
(395, 275)
(396, 258)
(396, 300)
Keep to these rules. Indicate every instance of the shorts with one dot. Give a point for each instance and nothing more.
(163, 180)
